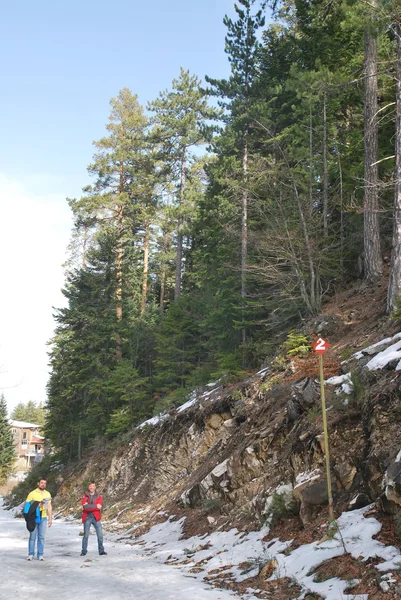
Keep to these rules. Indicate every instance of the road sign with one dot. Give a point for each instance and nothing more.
(320, 346)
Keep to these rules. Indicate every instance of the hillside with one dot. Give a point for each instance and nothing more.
(250, 456)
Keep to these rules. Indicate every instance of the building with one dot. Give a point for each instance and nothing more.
(29, 444)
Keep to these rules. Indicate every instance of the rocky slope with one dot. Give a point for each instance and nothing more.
(240, 455)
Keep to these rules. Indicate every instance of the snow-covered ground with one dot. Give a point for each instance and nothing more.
(123, 573)
(229, 551)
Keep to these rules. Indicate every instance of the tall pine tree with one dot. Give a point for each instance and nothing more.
(7, 448)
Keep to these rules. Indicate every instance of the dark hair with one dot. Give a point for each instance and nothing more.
(42, 479)
(91, 481)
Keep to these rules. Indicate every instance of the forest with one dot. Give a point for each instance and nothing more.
(226, 211)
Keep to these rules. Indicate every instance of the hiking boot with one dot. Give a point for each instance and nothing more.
(83, 553)
(30, 557)
(102, 553)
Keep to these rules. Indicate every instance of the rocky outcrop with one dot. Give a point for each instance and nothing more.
(238, 448)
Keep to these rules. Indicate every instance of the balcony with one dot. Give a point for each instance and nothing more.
(33, 452)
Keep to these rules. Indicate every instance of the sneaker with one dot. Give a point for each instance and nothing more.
(83, 553)
(40, 558)
(102, 553)
(30, 557)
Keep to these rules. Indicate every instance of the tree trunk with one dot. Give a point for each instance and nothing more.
(119, 277)
(79, 446)
(83, 263)
(310, 160)
(325, 169)
(162, 288)
(373, 263)
(394, 290)
(244, 227)
(178, 262)
(341, 212)
(145, 268)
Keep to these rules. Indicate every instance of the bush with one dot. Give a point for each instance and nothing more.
(358, 392)
(281, 509)
(296, 344)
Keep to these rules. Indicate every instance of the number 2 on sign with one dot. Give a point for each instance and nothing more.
(321, 346)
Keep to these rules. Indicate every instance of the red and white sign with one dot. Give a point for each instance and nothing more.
(320, 346)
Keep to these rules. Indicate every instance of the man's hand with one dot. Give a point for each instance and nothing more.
(50, 523)
(99, 506)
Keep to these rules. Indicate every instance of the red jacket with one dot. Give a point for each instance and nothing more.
(91, 506)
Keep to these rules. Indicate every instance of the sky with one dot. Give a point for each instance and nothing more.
(61, 62)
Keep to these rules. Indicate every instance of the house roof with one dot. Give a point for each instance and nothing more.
(24, 425)
(37, 439)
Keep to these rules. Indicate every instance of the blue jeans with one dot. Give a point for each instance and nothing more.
(39, 532)
(90, 520)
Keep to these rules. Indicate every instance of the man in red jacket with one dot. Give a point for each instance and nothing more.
(91, 507)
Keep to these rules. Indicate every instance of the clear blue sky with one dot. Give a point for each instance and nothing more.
(62, 61)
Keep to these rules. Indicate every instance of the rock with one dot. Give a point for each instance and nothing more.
(359, 501)
(327, 325)
(211, 520)
(215, 421)
(392, 482)
(230, 424)
(306, 391)
(345, 474)
(294, 411)
(312, 499)
(304, 480)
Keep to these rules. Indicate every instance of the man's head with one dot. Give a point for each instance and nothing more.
(42, 482)
(91, 487)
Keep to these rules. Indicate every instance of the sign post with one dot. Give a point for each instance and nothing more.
(320, 348)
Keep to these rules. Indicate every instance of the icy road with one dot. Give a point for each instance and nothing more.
(64, 575)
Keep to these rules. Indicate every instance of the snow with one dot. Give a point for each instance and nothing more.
(192, 399)
(227, 550)
(153, 420)
(123, 573)
(344, 381)
(361, 353)
(306, 477)
(136, 568)
(382, 359)
(24, 425)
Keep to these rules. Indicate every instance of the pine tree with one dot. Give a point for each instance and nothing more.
(30, 412)
(7, 449)
(236, 93)
(121, 185)
(179, 118)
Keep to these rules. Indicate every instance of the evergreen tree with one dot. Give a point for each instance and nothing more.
(7, 449)
(30, 412)
(121, 185)
(179, 118)
(236, 94)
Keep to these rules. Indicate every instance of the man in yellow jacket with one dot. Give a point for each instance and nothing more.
(41, 495)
